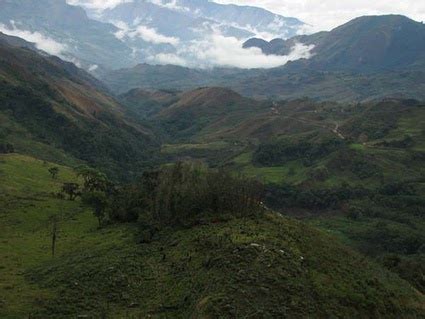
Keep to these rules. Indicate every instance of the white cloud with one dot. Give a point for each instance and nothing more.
(41, 41)
(170, 4)
(93, 67)
(97, 4)
(328, 14)
(146, 33)
(152, 36)
(167, 58)
(219, 50)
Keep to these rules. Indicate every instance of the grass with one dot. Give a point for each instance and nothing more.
(270, 267)
(27, 206)
(265, 266)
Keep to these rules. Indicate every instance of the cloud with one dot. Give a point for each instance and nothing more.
(146, 33)
(328, 14)
(41, 41)
(93, 67)
(219, 50)
(167, 58)
(152, 36)
(170, 4)
(98, 5)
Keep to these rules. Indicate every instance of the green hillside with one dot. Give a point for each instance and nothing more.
(262, 266)
(49, 107)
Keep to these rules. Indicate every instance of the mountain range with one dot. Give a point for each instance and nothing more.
(369, 58)
(162, 31)
(365, 44)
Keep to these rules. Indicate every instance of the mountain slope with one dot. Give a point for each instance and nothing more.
(65, 31)
(369, 58)
(370, 43)
(56, 104)
(138, 31)
(192, 33)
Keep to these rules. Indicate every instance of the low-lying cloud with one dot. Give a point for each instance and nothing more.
(144, 32)
(40, 41)
(152, 36)
(219, 50)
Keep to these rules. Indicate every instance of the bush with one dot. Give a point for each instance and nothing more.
(6, 148)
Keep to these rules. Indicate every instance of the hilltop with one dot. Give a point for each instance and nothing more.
(269, 265)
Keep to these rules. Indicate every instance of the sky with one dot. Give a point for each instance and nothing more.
(320, 15)
(323, 15)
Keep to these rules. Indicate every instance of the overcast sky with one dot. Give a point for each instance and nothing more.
(327, 14)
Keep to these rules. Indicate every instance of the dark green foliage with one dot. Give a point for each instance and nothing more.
(61, 106)
(410, 268)
(282, 151)
(289, 196)
(93, 179)
(269, 266)
(98, 202)
(6, 148)
(356, 163)
(125, 205)
(179, 194)
(72, 190)
(54, 171)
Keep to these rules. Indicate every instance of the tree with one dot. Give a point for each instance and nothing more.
(98, 202)
(72, 190)
(6, 148)
(93, 179)
(54, 171)
(54, 233)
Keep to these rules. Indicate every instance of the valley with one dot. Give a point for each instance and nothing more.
(201, 188)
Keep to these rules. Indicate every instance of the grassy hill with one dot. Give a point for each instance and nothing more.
(261, 266)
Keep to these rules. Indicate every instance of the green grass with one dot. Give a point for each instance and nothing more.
(265, 266)
(27, 205)
(270, 266)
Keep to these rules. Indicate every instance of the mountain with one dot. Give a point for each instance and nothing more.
(182, 31)
(158, 32)
(171, 77)
(365, 44)
(369, 58)
(65, 31)
(50, 107)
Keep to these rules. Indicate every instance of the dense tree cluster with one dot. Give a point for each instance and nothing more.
(175, 195)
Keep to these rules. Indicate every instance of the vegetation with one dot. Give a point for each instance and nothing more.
(222, 266)
(49, 102)
(130, 231)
